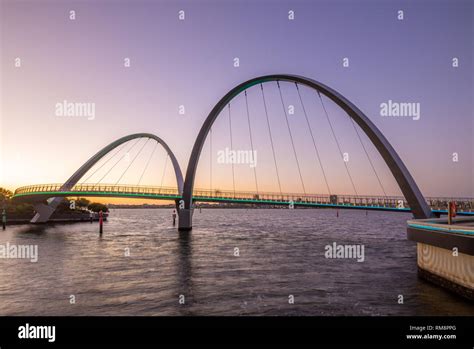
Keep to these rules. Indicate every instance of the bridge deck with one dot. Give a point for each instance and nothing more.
(393, 204)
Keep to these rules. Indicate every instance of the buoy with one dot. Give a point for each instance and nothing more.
(451, 211)
(4, 219)
(101, 222)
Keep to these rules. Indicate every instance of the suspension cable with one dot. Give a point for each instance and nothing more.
(271, 138)
(164, 171)
(115, 164)
(131, 162)
(368, 157)
(251, 140)
(337, 142)
(147, 163)
(312, 137)
(231, 149)
(110, 158)
(291, 137)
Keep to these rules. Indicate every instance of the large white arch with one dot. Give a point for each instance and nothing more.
(401, 174)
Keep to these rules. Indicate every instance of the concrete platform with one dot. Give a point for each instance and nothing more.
(445, 253)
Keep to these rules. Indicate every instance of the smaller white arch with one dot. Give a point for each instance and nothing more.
(44, 212)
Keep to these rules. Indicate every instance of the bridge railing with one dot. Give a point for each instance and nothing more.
(441, 203)
(219, 194)
(97, 188)
(392, 201)
(436, 203)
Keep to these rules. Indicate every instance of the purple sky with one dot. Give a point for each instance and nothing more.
(190, 63)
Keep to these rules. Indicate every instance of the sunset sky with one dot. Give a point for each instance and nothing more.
(190, 62)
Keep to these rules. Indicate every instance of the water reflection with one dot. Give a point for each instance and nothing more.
(185, 269)
(31, 229)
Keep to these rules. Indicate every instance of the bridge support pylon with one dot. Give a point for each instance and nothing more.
(44, 212)
(185, 220)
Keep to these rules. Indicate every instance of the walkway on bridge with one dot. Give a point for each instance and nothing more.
(379, 203)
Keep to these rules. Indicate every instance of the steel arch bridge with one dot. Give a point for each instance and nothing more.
(185, 194)
(44, 211)
(409, 188)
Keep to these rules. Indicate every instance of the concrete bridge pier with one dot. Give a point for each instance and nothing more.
(185, 220)
(43, 211)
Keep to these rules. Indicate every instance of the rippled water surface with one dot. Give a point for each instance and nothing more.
(281, 253)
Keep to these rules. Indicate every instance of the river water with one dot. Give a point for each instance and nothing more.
(143, 266)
